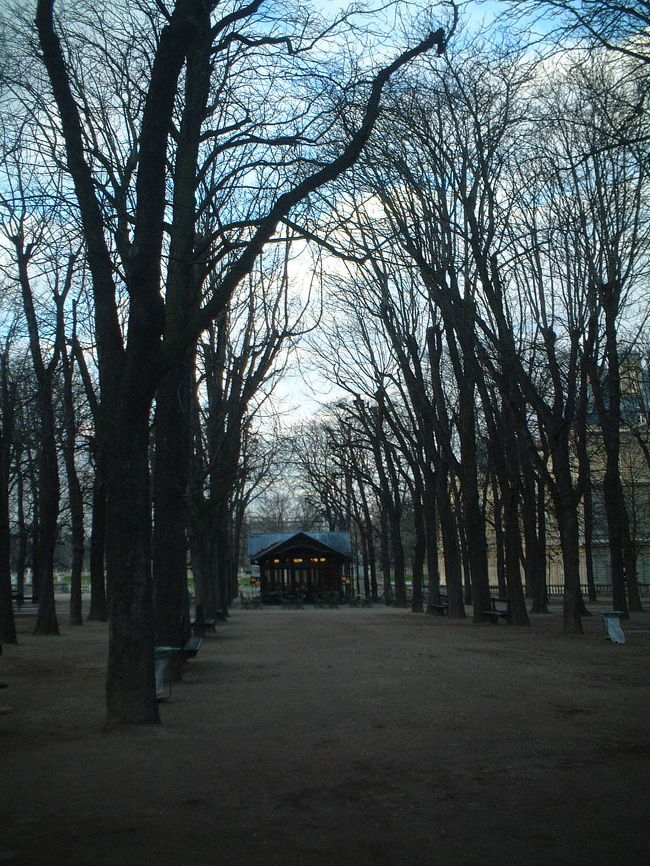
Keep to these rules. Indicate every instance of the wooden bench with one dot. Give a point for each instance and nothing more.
(442, 606)
(499, 609)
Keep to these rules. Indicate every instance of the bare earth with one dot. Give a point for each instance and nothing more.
(371, 736)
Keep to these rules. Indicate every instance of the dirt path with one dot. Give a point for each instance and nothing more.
(335, 737)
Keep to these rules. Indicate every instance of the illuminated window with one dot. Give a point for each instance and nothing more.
(298, 559)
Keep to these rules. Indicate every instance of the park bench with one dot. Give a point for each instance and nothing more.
(23, 606)
(293, 602)
(199, 626)
(162, 657)
(327, 599)
(191, 647)
(441, 607)
(250, 601)
(499, 609)
(612, 625)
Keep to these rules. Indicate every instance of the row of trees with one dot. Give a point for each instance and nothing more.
(153, 152)
(483, 221)
(487, 318)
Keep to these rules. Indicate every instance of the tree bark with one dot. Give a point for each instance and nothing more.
(130, 685)
(170, 491)
(47, 463)
(75, 496)
(7, 400)
(98, 608)
(419, 554)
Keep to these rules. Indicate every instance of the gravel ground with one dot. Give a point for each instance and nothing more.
(335, 737)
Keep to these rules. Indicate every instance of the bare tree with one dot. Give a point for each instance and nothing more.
(160, 331)
(613, 24)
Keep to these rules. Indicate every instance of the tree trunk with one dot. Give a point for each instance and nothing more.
(630, 555)
(98, 610)
(130, 685)
(450, 548)
(540, 588)
(569, 527)
(419, 553)
(384, 546)
(7, 623)
(397, 547)
(535, 553)
(499, 541)
(512, 539)
(369, 537)
(75, 499)
(172, 432)
(48, 470)
(588, 512)
(431, 528)
(75, 496)
(23, 539)
(616, 515)
(48, 513)
(76, 570)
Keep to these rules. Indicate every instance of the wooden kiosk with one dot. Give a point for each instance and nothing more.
(308, 565)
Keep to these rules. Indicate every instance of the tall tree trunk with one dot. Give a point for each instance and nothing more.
(473, 523)
(567, 519)
(98, 608)
(588, 512)
(515, 590)
(47, 463)
(48, 513)
(384, 545)
(76, 570)
(23, 535)
(419, 554)
(75, 496)
(34, 530)
(499, 541)
(369, 541)
(172, 433)
(7, 395)
(450, 546)
(130, 685)
(397, 547)
(535, 552)
(431, 528)
(174, 395)
(7, 624)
